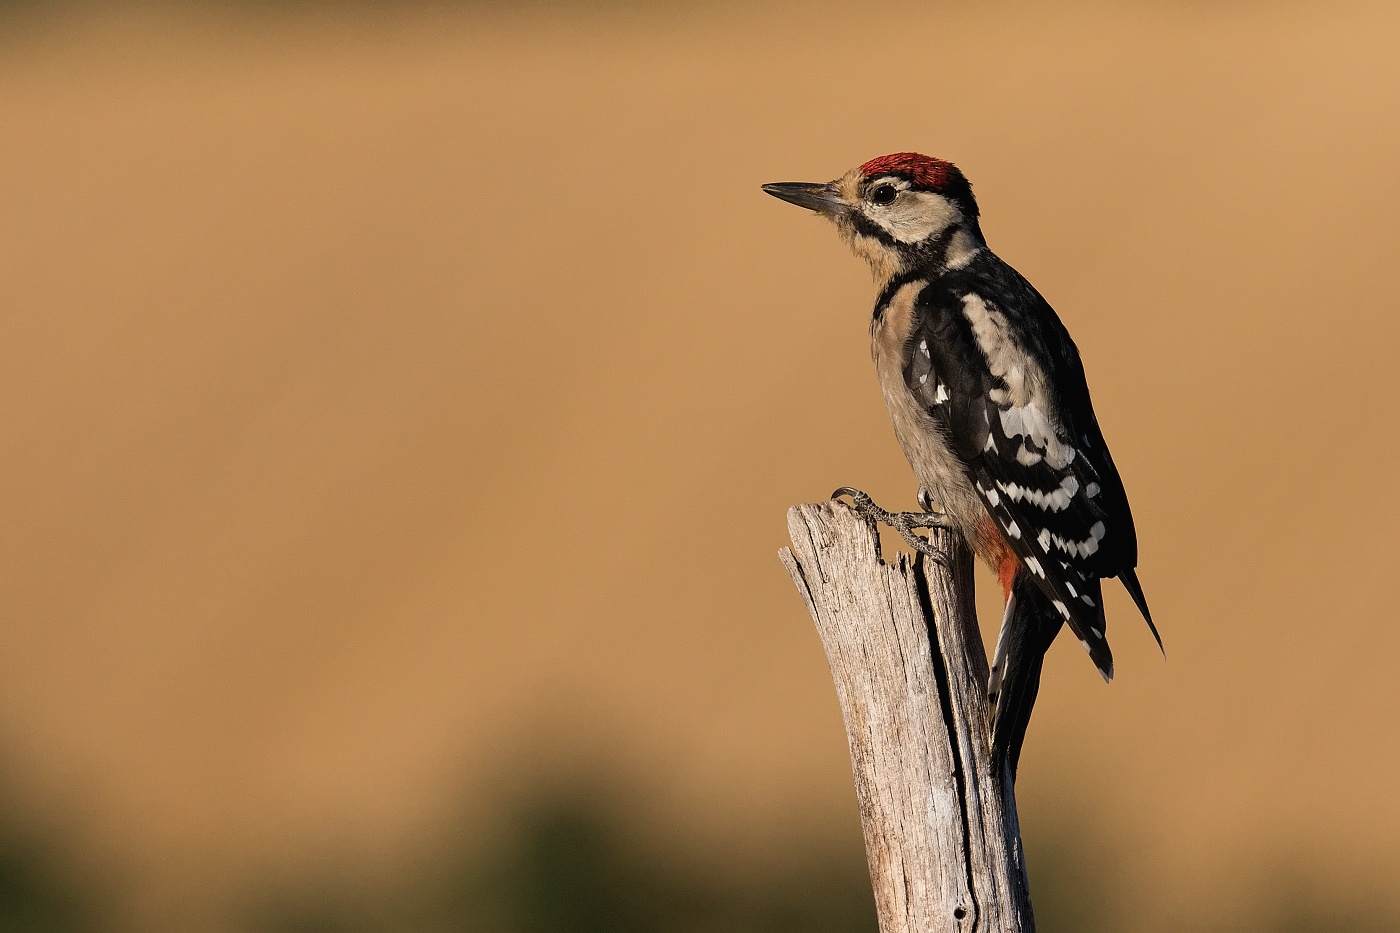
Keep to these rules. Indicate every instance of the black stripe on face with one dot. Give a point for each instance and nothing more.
(928, 253)
(866, 227)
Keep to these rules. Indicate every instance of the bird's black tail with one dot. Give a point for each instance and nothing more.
(1029, 626)
(1130, 583)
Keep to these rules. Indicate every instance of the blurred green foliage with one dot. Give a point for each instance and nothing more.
(569, 868)
(570, 857)
(572, 861)
(40, 891)
(575, 861)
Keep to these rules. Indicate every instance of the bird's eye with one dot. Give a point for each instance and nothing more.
(885, 194)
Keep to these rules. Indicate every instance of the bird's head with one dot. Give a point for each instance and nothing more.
(899, 212)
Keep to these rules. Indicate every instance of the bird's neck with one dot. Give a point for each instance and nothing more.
(964, 243)
(949, 250)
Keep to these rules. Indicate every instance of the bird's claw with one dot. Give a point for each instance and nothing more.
(862, 502)
(902, 522)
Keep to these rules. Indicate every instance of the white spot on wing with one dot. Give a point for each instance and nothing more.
(1056, 500)
(1029, 421)
(1074, 548)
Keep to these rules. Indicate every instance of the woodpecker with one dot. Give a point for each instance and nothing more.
(990, 405)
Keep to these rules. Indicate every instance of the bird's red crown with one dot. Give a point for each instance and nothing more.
(926, 171)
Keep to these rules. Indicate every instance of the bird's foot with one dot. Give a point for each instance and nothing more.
(903, 522)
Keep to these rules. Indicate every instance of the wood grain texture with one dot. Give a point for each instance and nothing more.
(941, 834)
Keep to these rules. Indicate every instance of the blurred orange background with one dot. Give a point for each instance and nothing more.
(402, 403)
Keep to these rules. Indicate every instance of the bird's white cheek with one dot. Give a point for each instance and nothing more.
(918, 216)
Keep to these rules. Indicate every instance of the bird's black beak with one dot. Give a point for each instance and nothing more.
(824, 199)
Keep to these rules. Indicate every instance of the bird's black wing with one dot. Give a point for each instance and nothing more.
(993, 366)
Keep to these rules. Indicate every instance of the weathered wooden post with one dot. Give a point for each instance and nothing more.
(941, 834)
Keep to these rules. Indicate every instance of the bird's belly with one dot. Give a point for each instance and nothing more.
(942, 474)
(940, 471)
